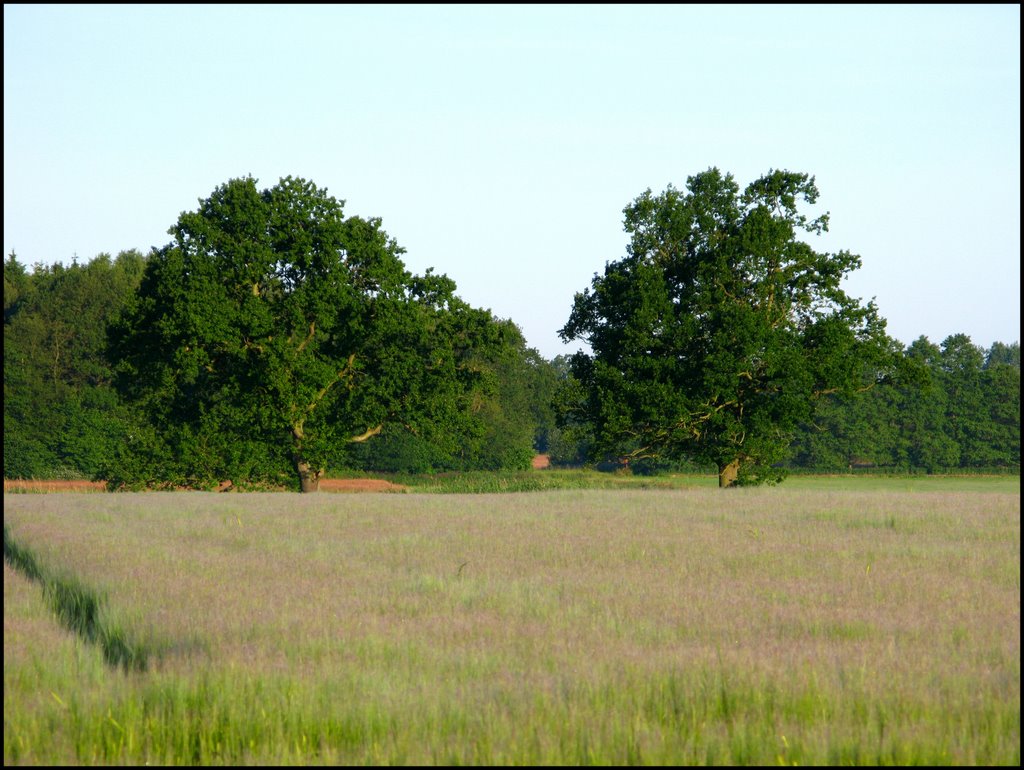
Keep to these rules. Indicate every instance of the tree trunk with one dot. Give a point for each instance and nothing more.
(309, 480)
(727, 474)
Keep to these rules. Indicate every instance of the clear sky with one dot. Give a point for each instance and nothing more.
(499, 144)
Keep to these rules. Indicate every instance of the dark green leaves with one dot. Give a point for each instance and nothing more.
(274, 331)
(716, 331)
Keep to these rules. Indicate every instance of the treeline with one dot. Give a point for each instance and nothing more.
(62, 416)
(955, 406)
(68, 412)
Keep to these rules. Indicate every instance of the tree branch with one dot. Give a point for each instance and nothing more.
(312, 328)
(346, 372)
(368, 434)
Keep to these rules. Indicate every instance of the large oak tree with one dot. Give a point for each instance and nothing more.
(712, 336)
(274, 330)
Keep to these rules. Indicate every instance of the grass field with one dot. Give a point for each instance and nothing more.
(820, 622)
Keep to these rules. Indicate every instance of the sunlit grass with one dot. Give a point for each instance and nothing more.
(582, 478)
(688, 626)
(476, 482)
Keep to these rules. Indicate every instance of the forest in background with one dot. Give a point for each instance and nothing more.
(956, 409)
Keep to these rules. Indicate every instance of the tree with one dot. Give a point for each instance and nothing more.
(921, 412)
(61, 414)
(967, 417)
(572, 441)
(16, 282)
(712, 337)
(1001, 399)
(476, 418)
(845, 431)
(1001, 353)
(273, 332)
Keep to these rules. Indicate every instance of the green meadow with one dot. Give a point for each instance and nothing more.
(825, 621)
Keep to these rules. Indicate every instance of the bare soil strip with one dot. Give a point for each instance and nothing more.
(326, 485)
(37, 485)
(359, 485)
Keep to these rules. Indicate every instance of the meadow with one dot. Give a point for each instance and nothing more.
(843, 621)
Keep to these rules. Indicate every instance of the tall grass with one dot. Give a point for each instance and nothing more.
(78, 608)
(570, 627)
(475, 482)
(478, 482)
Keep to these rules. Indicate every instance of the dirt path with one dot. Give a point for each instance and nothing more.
(359, 485)
(326, 485)
(34, 485)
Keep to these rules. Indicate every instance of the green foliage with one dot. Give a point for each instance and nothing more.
(572, 442)
(542, 378)
(396, 450)
(943, 410)
(275, 332)
(508, 418)
(485, 421)
(1001, 437)
(60, 413)
(16, 283)
(713, 336)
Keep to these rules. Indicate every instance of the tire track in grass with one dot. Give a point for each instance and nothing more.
(79, 608)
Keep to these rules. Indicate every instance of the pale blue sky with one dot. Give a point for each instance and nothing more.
(499, 144)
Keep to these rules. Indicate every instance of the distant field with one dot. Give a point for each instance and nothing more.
(812, 623)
